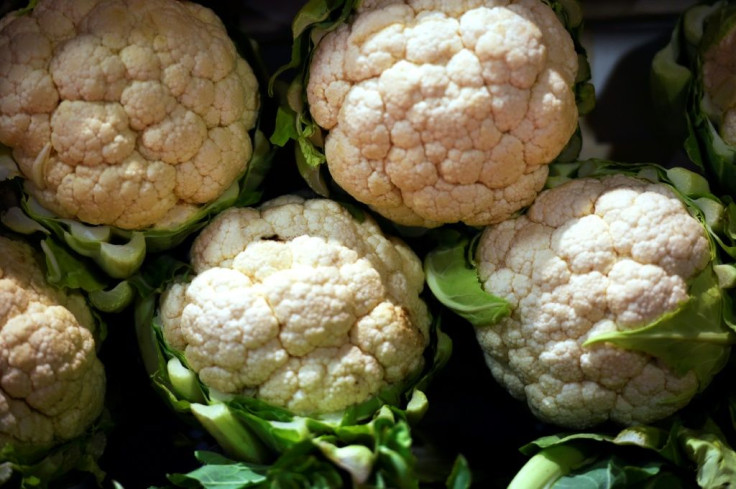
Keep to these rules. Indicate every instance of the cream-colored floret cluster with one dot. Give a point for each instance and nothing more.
(589, 257)
(52, 385)
(719, 70)
(440, 112)
(125, 112)
(299, 304)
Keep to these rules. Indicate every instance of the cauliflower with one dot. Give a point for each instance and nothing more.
(607, 280)
(297, 336)
(439, 112)
(300, 305)
(693, 88)
(52, 385)
(719, 70)
(125, 113)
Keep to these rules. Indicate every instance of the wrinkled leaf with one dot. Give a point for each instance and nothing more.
(455, 283)
(694, 337)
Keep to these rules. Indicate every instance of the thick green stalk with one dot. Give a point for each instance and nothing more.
(546, 467)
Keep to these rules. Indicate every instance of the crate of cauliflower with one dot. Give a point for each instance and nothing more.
(298, 337)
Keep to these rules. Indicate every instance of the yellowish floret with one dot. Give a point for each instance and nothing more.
(52, 385)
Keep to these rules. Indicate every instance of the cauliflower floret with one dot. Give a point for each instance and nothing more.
(299, 304)
(440, 112)
(52, 385)
(123, 112)
(589, 257)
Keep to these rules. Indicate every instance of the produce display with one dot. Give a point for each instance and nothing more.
(361, 244)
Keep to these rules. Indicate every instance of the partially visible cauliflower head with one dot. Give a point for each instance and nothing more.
(299, 304)
(588, 257)
(440, 112)
(130, 113)
(52, 385)
(719, 71)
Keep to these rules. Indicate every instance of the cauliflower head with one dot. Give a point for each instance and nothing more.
(52, 384)
(719, 70)
(590, 257)
(440, 112)
(125, 112)
(299, 304)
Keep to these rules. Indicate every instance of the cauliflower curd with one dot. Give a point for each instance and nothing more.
(52, 385)
(299, 304)
(124, 112)
(589, 257)
(440, 112)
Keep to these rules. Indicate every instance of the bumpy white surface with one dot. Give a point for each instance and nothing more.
(299, 304)
(588, 257)
(52, 385)
(441, 112)
(125, 112)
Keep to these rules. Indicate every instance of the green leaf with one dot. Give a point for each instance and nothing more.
(221, 476)
(284, 129)
(693, 337)
(668, 456)
(460, 477)
(313, 156)
(65, 270)
(610, 473)
(455, 283)
(313, 12)
(688, 182)
(715, 459)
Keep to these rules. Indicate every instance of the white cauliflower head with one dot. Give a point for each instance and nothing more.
(440, 112)
(52, 385)
(299, 304)
(124, 112)
(589, 257)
